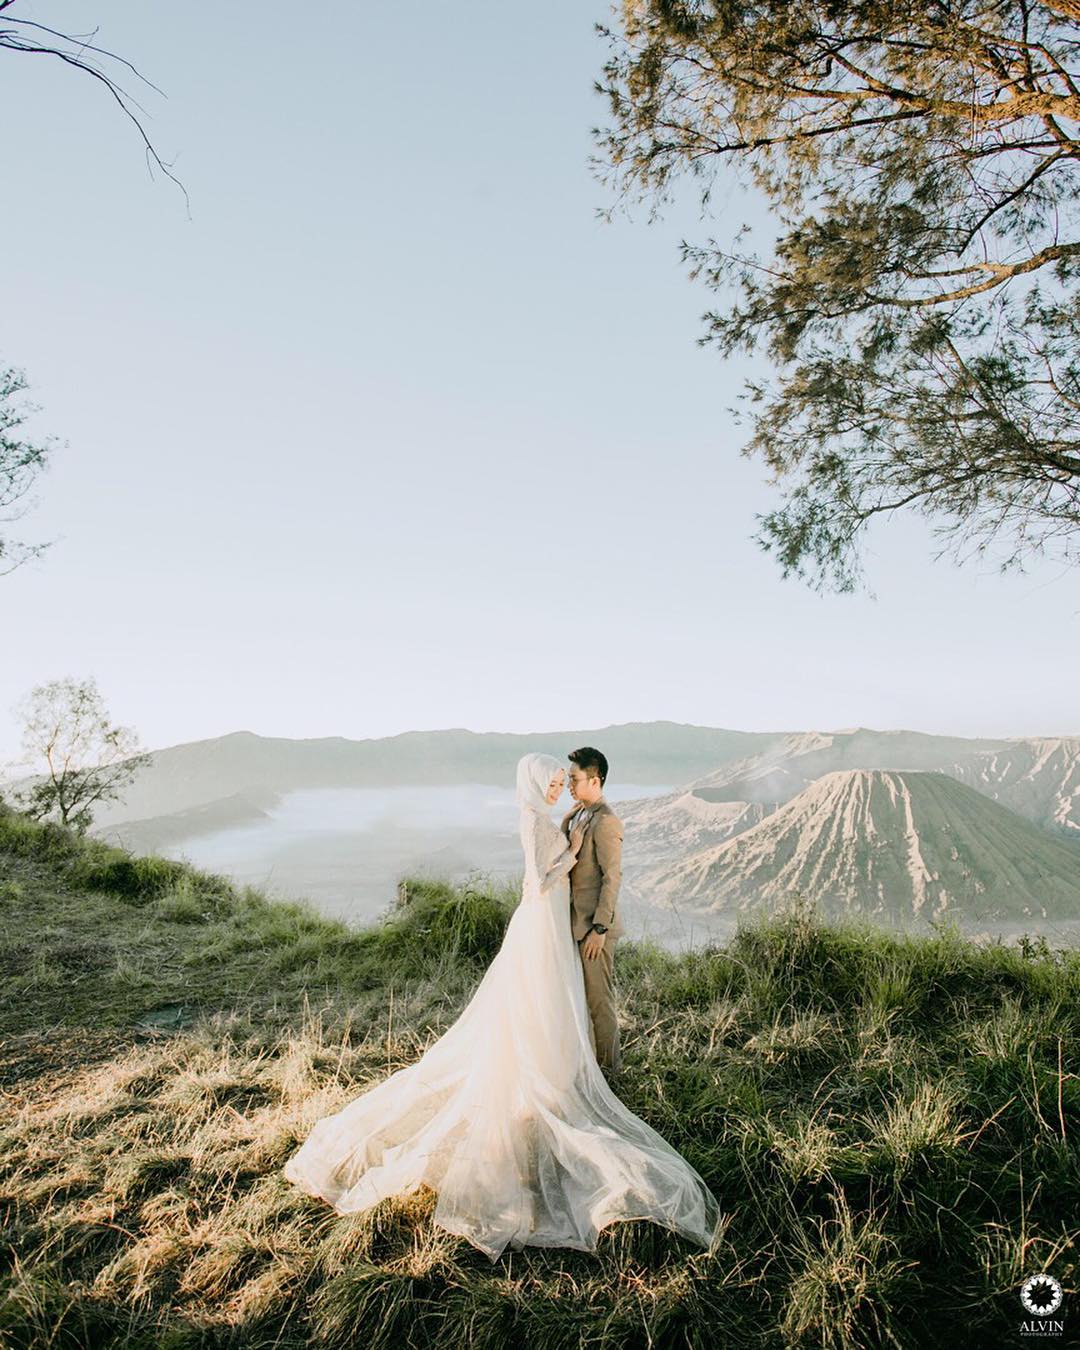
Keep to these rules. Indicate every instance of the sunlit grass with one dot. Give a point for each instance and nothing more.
(891, 1123)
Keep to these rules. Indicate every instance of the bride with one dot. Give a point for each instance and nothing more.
(508, 1115)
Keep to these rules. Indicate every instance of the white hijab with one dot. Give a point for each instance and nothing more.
(534, 775)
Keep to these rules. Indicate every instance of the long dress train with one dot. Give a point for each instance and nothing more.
(508, 1115)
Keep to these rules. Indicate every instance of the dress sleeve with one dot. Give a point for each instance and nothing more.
(548, 854)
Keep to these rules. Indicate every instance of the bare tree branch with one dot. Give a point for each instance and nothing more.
(13, 39)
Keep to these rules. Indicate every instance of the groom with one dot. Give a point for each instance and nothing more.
(594, 886)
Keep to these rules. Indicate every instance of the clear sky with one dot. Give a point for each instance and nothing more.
(394, 433)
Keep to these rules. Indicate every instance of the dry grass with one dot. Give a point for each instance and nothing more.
(892, 1123)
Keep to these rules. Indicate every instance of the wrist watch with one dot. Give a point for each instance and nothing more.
(600, 928)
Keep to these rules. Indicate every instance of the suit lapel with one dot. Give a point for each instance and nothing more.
(593, 811)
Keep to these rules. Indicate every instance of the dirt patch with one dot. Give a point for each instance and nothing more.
(167, 1020)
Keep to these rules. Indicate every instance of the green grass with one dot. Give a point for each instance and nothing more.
(891, 1123)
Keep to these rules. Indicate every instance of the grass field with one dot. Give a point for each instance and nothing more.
(892, 1124)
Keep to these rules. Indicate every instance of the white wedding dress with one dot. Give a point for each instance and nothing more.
(508, 1116)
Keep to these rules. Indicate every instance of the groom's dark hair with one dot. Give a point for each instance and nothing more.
(592, 761)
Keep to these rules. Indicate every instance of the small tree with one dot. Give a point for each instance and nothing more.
(67, 725)
(20, 463)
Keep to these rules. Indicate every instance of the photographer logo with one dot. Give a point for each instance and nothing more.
(1042, 1296)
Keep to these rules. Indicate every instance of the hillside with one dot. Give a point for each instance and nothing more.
(896, 846)
(888, 1121)
(659, 828)
(158, 832)
(1037, 778)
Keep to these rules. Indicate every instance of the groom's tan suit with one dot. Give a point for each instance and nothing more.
(594, 889)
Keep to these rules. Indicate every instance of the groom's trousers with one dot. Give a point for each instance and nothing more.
(600, 996)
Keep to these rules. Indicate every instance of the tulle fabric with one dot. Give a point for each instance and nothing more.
(508, 1116)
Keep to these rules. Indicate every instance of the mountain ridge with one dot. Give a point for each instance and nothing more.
(886, 844)
(196, 773)
(1036, 776)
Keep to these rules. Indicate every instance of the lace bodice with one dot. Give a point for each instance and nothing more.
(548, 855)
